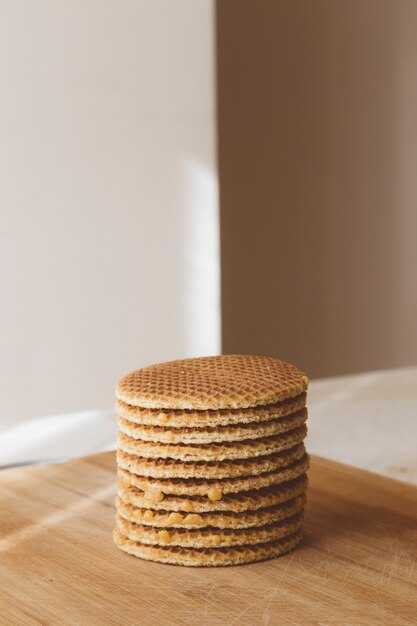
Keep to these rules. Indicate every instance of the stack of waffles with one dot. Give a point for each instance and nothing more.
(211, 460)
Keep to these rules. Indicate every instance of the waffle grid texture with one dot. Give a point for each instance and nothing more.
(211, 461)
(214, 452)
(209, 418)
(209, 537)
(201, 487)
(216, 519)
(220, 434)
(240, 502)
(222, 382)
(173, 468)
(208, 557)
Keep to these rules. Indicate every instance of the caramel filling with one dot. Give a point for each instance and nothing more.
(148, 516)
(154, 495)
(214, 494)
(174, 518)
(194, 519)
(164, 536)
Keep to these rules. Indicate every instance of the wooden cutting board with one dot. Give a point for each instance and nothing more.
(58, 565)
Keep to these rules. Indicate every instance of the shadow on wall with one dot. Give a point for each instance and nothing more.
(317, 148)
(107, 160)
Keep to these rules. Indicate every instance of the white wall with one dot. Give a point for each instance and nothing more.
(108, 200)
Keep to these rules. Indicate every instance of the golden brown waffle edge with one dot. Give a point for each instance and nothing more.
(218, 382)
(229, 502)
(215, 519)
(156, 488)
(172, 468)
(211, 557)
(219, 434)
(209, 537)
(213, 452)
(209, 418)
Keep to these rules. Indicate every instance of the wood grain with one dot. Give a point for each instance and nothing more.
(58, 565)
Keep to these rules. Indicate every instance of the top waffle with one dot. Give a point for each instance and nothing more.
(219, 382)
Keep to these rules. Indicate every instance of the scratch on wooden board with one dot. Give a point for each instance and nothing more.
(268, 597)
(354, 567)
(310, 571)
(236, 619)
(395, 560)
(379, 603)
(381, 577)
(207, 599)
(267, 613)
(290, 560)
(411, 569)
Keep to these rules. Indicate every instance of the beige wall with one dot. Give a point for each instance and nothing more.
(317, 135)
(108, 203)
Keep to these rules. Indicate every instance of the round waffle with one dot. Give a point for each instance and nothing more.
(216, 519)
(218, 382)
(155, 488)
(211, 461)
(208, 537)
(209, 418)
(172, 468)
(211, 557)
(220, 434)
(230, 502)
(217, 452)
